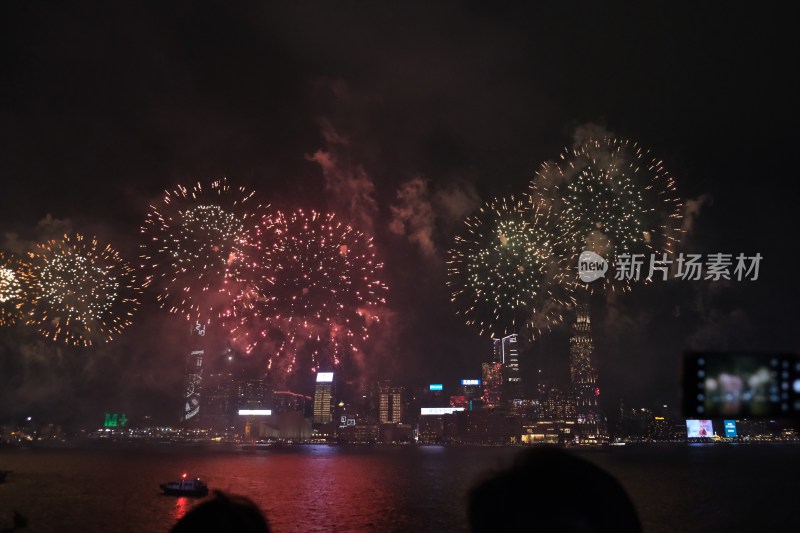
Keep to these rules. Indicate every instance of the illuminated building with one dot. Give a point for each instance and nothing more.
(193, 380)
(432, 396)
(390, 403)
(497, 349)
(288, 402)
(355, 428)
(548, 432)
(460, 401)
(583, 375)
(251, 393)
(557, 405)
(431, 429)
(394, 433)
(471, 390)
(323, 396)
(368, 402)
(506, 351)
(634, 422)
(439, 411)
(218, 405)
(348, 415)
(290, 412)
(492, 383)
(528, 409)
(485, 427)
(659, 429)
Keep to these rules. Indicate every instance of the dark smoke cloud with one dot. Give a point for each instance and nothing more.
(349, 189)
(720, 324)
(456, 200)
(589, 131)
(378, 357)
(692, 210)
(414, 216)
(46, 229)
(722, 330)
(420, 214)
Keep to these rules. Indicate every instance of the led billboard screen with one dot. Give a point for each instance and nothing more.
(699, 428)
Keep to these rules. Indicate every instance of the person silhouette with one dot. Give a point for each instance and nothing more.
(549, 489)
(223, 513)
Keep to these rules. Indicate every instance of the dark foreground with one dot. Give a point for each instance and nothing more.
(321, 488)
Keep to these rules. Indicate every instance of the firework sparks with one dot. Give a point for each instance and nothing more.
(502, 272)
(611, 197)
(12, 291)
(191, 238)
(81, 293)
(313, 291)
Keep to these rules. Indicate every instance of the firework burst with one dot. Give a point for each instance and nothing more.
(611, 197)
(314, 290)
(191, 238)
(80, 292)
(12, 290)
(502, 272)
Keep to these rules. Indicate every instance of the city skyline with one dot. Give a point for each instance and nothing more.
(556, 408)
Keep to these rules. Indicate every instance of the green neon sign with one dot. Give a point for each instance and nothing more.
(115, 420)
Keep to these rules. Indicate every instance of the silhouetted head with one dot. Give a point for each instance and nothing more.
(549, 489)
(223, 513)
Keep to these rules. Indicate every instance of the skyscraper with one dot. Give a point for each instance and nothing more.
(583, 375)
(471, 389)
(251, 393)
(506, 351)
(323, 395)
(497, 350)
(558, 404)
(391, 403)
(193, 379)
(492, 383)
(218, 402)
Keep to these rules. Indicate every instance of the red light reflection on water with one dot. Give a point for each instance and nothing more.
(181, 506)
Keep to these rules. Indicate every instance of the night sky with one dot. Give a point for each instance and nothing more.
(342, 106)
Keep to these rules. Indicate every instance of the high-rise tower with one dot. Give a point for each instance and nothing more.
(323, 397)
(506, 351)
(583, 375)
(391, 403)
(193, 379)
(492, 384)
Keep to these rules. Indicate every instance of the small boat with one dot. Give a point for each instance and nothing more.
(185, 487)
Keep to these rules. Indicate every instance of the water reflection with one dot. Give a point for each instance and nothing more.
(181, 506)
(386, 488)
